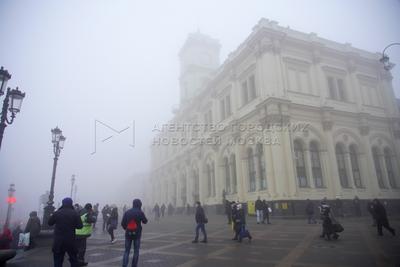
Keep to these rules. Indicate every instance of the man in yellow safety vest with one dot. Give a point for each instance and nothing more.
(88, 218)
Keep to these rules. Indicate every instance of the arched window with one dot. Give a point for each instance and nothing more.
(233, 172)
(300, 164)
(213, 179)
(252, 170)
(389, 167)
(196, 193)
(209, 180)
(355, 169)
(378, 167)
(227, 175)
(316, 165)
(341, 163)
(261, 166)
(183, 189)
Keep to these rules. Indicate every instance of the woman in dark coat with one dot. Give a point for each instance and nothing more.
(112, 223)
(381, 218)
(33, 227)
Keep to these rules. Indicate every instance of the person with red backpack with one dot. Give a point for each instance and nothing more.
(132, 224)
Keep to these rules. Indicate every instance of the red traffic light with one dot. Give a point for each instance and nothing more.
(11, 200)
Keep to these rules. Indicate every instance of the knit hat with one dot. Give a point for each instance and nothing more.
(67, 202)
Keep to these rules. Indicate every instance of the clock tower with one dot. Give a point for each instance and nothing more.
(199, 58)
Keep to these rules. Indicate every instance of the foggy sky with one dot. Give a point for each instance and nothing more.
(117, 62)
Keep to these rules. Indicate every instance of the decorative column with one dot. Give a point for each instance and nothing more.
(332, 179)
(240, 168)
(349, 169)
(307, 159)
(384, 170)
(371, 181)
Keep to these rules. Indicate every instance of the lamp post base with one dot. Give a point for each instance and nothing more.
(48, 211)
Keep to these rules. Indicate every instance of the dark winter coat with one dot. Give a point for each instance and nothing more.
(33, 225)
(135, 213)
(66, 220)
(380, 212)
(200, 215)
(371, 209)
(259, 204)
(265, 206)
(310, 208)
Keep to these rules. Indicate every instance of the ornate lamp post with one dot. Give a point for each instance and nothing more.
(72, 183)
(58, 143)
(10, 200)
(12, 95)
(387, 65)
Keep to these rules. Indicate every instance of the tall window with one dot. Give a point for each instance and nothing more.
(233, 172)
(252, 87)
(227, 175)
(213, 178)
(316, 165)
(378, 167)
(261, 166)
(245, 94)
(228, 109)
(355, 169)
(389, 167)
(341, 163)
(210, 179)
(183, 189)
(252, 170)
(300, 164)
(196, 193)
(249, 91)
(337, 89)
(225, 107)
(222, 108)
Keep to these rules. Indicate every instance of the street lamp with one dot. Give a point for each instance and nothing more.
(387, 65)
(13, 95)
(72, 183)
(58, 143)
(10, 200)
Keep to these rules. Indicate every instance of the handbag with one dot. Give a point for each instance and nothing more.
(337, 227)
(24, 239)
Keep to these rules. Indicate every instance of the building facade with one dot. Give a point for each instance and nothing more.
(288, 116)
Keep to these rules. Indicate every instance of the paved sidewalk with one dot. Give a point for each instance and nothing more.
(283, 243)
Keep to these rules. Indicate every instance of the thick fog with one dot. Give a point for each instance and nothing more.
(117, 62)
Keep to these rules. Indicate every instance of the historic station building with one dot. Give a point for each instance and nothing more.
(288, 116)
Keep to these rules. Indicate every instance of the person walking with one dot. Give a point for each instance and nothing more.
(338, 207)
(124, 209)
(259, 210)
(112, 223)
(132, 224)
(84, 233)
(310, 212)
(33, 227)
(105, 212)
(156, 211)
(357, 206)
(66, 221)
(162, 210)
(327, 225)
(381, 218)
(266, 211)
(371, 210)
(239, 219)
(201, 220)
(95, 214)
(228, 210)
